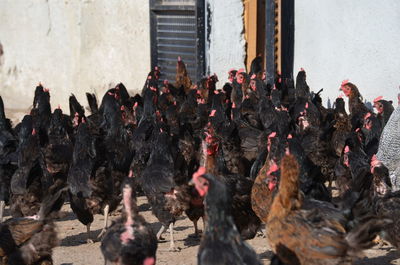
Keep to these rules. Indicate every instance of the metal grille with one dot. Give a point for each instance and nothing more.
(177, 29)
(176, 2)
(176, 36)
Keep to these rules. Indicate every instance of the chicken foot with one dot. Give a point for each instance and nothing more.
(103, 231)
(2, 206)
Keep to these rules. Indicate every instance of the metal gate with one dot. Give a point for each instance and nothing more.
(177, 29)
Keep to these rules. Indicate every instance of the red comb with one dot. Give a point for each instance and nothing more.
(122, 108)
(153, 88)
(111, 94)
(149, 77)
(280, 80)
(165, 82)
(156, 68)
(33, 131)
(346, 149)
(199, 172)
(149, 261)
(212, 114)
(130, 173)
(272, 135)
(289, 136)
(302, 69)
(344, 82)
(274, 167)
(46, 89)
(179, 59)
(306, 105)
(136, 104)
(233, 105)
(358, 129)
(378, 99)
(59, 107)
(253, 76)
(367, 115)
(241, 70)
(175, 103)
(83, 120)
(216, 92)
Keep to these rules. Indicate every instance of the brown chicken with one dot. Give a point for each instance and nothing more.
(265, 187)
(30, 240)
(299, 236)
(182, 77)
(356, 107)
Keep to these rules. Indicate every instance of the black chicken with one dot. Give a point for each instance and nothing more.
(90, 184)
(8, 147)
(221, 242)
(26, 183)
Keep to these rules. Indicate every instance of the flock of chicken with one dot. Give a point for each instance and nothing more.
(248, 154)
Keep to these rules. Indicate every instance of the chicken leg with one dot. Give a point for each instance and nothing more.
(160, 232)
(2, 206)
(88, 240)
(172, 247)
(103, 231)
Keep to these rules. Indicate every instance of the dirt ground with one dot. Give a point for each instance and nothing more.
(74, 250)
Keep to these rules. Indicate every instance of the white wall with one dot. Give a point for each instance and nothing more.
(227, 48)
(71, 47)
(355, 40)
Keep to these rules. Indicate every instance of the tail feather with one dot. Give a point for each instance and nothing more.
(123, 92)
(75, 107)
(362, 236)
(2, 113)
(92, 100)
(51, 199)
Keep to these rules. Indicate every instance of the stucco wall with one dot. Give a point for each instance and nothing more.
(227, 47)
(71, 46)
(355, 40)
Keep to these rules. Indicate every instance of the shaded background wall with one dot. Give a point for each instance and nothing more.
(71, 47)
(355, 40)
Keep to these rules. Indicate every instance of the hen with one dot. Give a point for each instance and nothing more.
(129, 240)
(8, 147)
(389, 146)
(26, 182)
(30, 240)
(221, 242)
(90, 185)
(311, 236)
(158, 181)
